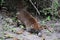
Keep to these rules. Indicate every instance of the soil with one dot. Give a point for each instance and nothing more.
(18, 33)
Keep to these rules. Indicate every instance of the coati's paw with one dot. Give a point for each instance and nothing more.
(34, 31)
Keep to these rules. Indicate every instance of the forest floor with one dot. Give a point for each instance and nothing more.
(10, 32)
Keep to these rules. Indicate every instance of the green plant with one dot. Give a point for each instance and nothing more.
(1, 2)
(54, 7)
(51, 11)
(43, 22)
(52, 25)
(1, 38)
(48, 18)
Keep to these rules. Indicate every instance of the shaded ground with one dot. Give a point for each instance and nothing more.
(10, 32)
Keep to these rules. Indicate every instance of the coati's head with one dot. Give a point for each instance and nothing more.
(41, 28)
(46, 27)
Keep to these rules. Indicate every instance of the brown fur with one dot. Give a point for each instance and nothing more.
(28, 19)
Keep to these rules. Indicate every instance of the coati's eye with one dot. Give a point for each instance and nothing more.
(44, 27)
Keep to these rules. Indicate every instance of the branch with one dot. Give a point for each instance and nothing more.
(34, 7)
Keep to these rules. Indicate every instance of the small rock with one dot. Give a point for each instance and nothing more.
(20, 32)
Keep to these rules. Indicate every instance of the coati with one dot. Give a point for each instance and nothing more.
(30, 22)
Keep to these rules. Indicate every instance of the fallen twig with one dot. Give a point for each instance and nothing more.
(34, 7)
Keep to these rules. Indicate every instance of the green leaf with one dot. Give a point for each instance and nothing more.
(52, 25)
(14, 29)
(21, 26)
(48, 18)
(1, 38)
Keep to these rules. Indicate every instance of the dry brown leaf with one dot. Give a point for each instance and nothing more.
(8, 36)
(20, 32)
(14, 38)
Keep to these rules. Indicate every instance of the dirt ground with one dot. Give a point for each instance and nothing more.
(10, 32)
